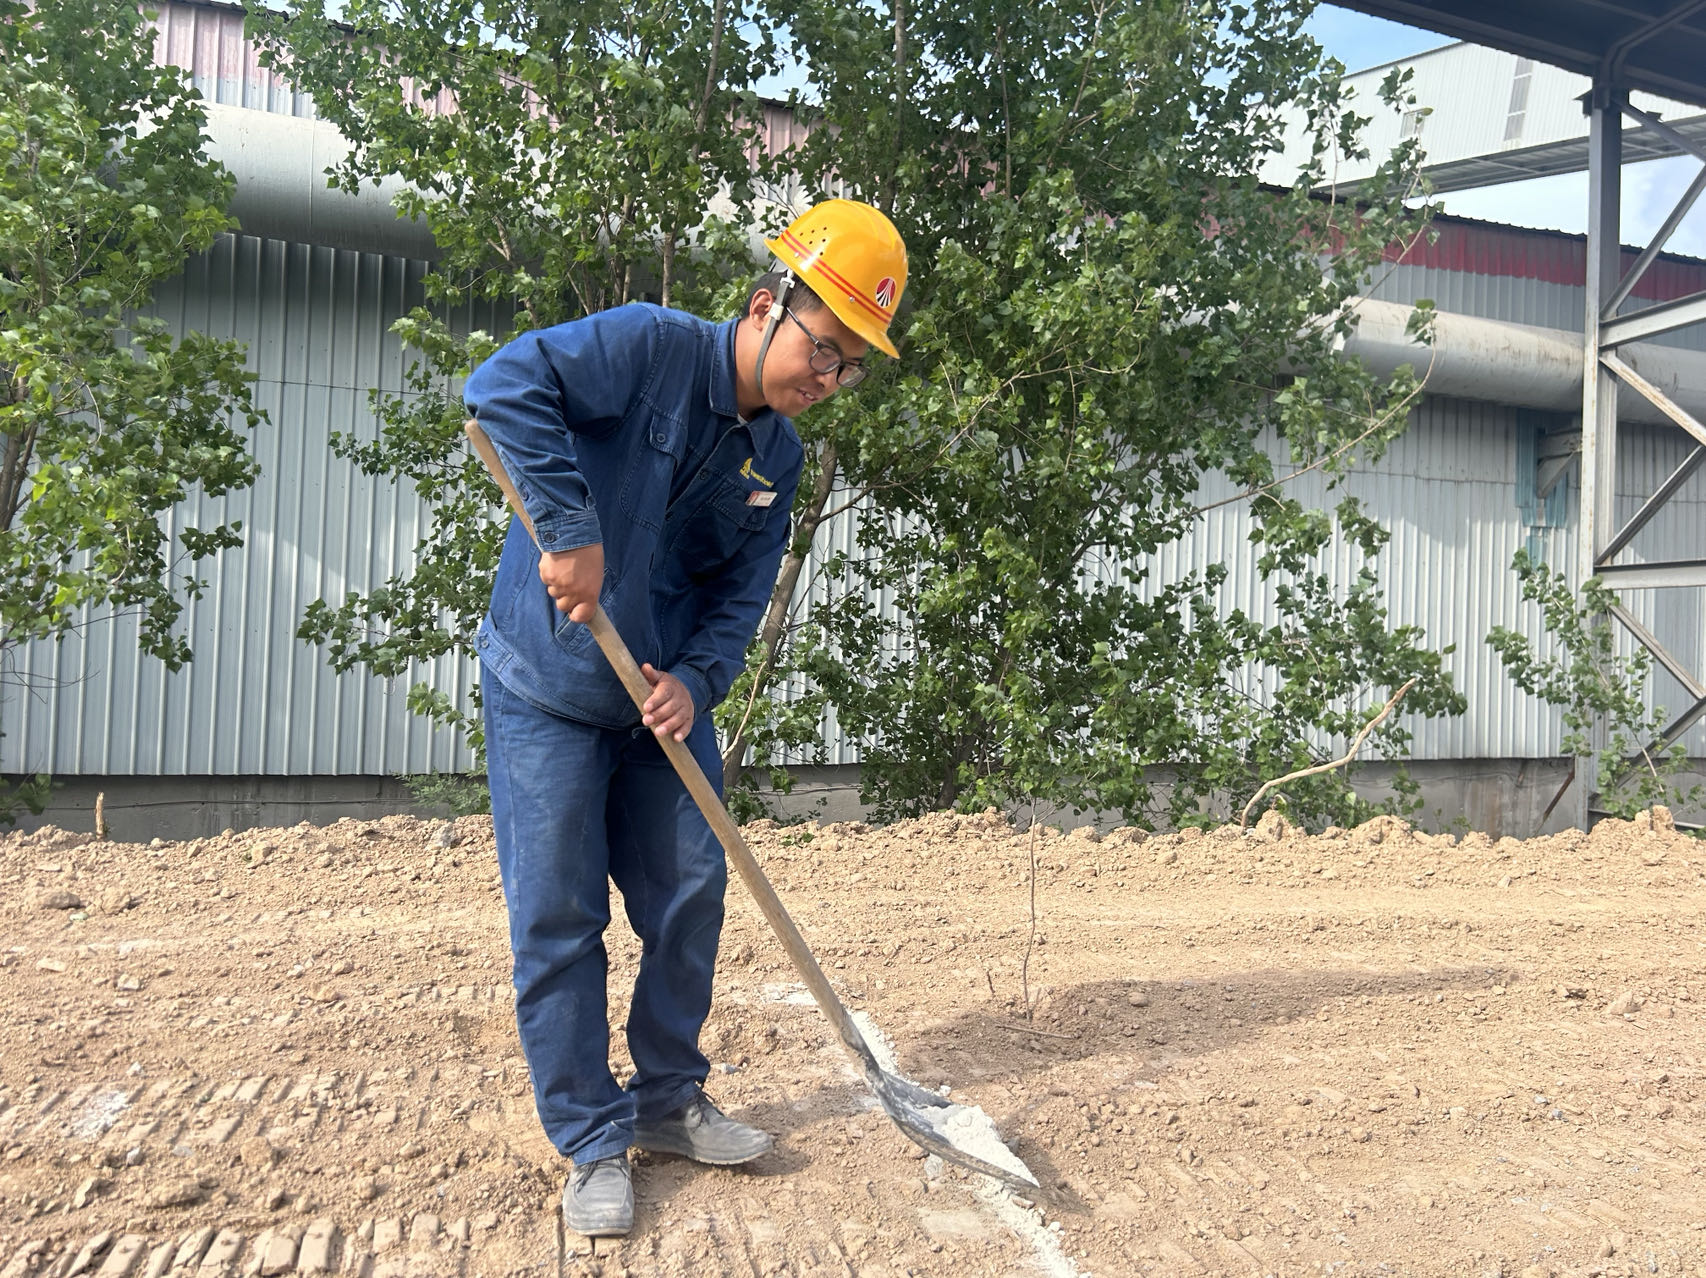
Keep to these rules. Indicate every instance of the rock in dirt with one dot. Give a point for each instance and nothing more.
(258, 1152)
(1656, 820)
(1272, 827)
(59, 899)
(180, 1192)
(87, 1191)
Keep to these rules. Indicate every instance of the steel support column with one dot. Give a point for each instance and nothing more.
(1598, 513)
(1602, 540)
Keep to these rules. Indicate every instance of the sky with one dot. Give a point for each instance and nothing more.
(1650, 190)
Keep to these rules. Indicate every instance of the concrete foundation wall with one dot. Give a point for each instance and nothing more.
(138, 809)
(1499, 796)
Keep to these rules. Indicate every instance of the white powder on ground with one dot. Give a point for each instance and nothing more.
(968, 1128)
(99, 1113)
(965, 1127)
(972, 1130)
(1028, 1224)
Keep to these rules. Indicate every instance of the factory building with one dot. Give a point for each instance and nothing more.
(258, 729)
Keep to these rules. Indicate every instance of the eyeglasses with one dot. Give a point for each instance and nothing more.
(825, 358)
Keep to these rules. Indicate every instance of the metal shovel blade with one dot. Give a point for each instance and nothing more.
(933, 1121)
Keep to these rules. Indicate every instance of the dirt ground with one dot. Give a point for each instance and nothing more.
(1367, 1052)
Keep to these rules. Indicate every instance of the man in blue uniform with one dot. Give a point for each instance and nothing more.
(655, 455)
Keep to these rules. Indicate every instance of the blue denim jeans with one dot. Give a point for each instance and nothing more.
(575, 807)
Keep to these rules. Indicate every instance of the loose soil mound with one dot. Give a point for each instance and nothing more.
(1372, 1051)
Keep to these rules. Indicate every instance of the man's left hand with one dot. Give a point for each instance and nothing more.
(669, 710)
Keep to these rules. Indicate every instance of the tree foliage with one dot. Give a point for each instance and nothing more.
(1107, 311)
(1595, 689)
(1107, 307)
(567, 159)
(106, 419)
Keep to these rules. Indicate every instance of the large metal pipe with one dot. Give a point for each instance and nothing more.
(280, 164)
(1474, 358)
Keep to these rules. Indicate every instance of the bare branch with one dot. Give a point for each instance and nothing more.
(1370, 726)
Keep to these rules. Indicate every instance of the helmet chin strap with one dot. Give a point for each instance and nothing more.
(777, 306)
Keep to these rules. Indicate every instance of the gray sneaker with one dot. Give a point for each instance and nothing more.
(598, 1201)
(702, 1132)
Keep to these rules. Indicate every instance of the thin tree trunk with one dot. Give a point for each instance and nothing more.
(776, 615)
(902, 94)
(12, 467)
(667, 269)
(950, 788)
(623, 279)
(702, 117)
(14, 462)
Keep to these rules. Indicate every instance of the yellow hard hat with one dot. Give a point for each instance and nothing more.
(853, 259)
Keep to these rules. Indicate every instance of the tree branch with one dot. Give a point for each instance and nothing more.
(1370, 726)
(1402, 407)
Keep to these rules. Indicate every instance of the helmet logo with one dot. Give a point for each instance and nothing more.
(885, 292)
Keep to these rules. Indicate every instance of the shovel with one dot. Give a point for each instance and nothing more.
(929, 1119)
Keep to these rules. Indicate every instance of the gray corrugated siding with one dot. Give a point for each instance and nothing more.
(256, 700)
(1540, 303)
(1448, 490)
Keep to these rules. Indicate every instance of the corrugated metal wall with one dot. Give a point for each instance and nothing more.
(207, 40)
(256, 700)
(1525, 277)
(1459, 507)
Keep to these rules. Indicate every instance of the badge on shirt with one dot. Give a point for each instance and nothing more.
(760, 498)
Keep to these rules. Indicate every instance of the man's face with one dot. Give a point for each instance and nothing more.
(791, 384)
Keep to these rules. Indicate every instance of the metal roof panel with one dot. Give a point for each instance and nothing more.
(1656, 45)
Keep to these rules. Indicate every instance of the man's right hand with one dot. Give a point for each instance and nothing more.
(573, 578)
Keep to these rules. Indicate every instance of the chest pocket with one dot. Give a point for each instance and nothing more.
(715, 529)
(650, 472)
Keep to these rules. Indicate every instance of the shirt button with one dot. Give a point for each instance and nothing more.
(659, 438)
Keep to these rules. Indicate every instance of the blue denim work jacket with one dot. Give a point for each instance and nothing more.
(622, 428)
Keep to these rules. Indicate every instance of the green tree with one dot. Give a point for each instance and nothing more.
(1594, 687)
(567, 158)
(106, 419)
(1106, 306)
